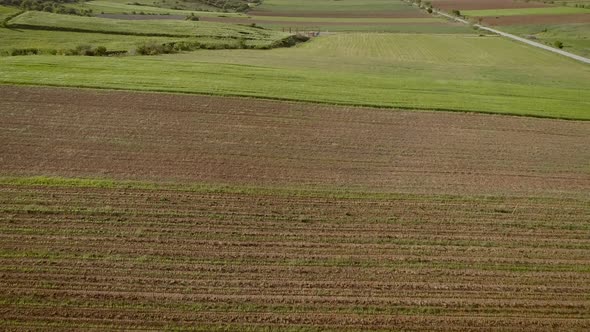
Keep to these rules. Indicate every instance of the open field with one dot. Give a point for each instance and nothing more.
(50, 41)
(526, 11)
(249, 215)
(106, 259)
(351, 182)
(147, 7)
(575, 37)
(187, 139)
(49, 21)
(449, 5)
(444, 72)
(536, 19)
(343, 8)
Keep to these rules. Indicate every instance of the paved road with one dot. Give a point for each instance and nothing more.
(522, 40)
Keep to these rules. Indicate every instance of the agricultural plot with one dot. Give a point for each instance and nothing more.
(449, 5)
(440, 72)
(256, 215)
(526, 11)
(575, 37)
(327, 8)
(525, 19)
(174, 28)
(253, 142)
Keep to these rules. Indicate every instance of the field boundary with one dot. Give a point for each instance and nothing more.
(319, 102)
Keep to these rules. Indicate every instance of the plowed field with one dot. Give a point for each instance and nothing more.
(170, 259)
(155, 137)
(484, 4)
(255, 215)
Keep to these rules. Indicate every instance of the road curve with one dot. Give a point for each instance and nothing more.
(520, 39)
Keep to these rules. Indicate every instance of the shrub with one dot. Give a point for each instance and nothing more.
(456, 12)
(558, 44)
(24, 51)
(192, 17)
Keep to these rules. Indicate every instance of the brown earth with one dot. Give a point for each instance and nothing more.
(318, 23)
(345, 14)
(132, 259)
(485, 4)
(237, 141)
(537, 19)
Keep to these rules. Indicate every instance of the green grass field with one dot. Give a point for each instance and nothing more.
(575, 37)
(526, 11)
(49, 21)
(147, 7)
(50, 41)
(450, 72)
(6, 12)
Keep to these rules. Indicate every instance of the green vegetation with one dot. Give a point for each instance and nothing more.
(148, 7)
(48, 21)
(575, 37)
(446, 72)
(526, 11)
(47, 33)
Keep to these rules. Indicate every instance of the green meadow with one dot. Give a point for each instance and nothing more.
(440, 72)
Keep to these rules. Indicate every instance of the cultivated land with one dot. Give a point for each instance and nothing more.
(566, 25)
(267, 143)
(452, 72)
(124, 210)
(263, 216)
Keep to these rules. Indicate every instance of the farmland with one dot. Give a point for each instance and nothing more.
(227, 172)
(463, 68)
(229, 233)
(566, 25)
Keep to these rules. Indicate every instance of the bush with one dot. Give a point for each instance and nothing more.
(456, 12)
(24, 51)
(558, 44)
(192, 17)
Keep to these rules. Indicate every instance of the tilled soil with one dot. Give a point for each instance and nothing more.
(342, 14)
(485, 4)
(238, 141)
(112, 259)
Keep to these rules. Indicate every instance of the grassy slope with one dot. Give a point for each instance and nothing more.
(51, 21)
(6, 12)
(49, 41)
(575, 37)
(526, 11)
(125, 6)
(467, 73)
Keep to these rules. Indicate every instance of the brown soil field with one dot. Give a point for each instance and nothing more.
(537, 19)
(238, 141)
(485, 4)
(346, 14)
(132, 259)
(258, 215)
(317, 23)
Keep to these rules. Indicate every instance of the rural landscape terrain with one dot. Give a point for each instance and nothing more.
(294, 165)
